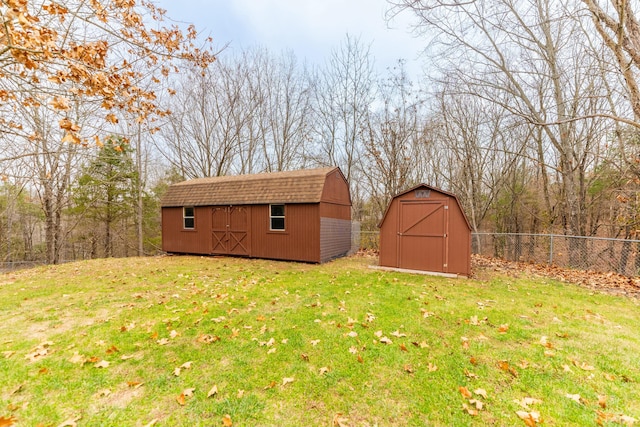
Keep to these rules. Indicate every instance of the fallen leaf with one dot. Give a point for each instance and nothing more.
(213, 391)
(134, 384)
(39, 351)
(78, 358)
(583, 365)
(465, 342)
(625, 419)
(477, 403)
(8, 354)
(163, 341)
(186, 365)
(602, 401)
(378, 334)
(304, 357)
(71, 422)
(408, 369)
(271, 385)
(470, 375)
(403, 347)
(226, 421)
(207, 339)
(398, 334)
(340, 421)
(286, 381)
(530, 418)
(352, 334)
(610, 377)
(574, 397)
(176, 372)
(112, 349)
(465, 392)
(503, 328)
(469, 410)
(360, 359)
(314, 342)
(7, 422)
(324, 370)
(431, 367)
(481, 392)
(240, 394)
(566, 368)
(181, 399)
(385, 340)
(526, 401)
(271, 350)
(102, 364)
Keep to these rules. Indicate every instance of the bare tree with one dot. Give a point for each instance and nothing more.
(285, 112)
(617, 25)
(529, 58)
(396, 130)
(343, 100)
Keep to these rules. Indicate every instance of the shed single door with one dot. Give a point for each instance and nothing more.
(230, 230)
(422, 235)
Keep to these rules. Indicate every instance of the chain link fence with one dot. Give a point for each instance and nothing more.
(582, 253)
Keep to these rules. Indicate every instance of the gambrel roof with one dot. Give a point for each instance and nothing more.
(300, 186)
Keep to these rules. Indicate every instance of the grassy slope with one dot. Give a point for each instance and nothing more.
(91, 309)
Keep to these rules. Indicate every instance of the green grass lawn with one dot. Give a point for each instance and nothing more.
(196, 341)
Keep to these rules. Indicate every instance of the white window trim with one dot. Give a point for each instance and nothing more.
(184, 217)
(271, 217)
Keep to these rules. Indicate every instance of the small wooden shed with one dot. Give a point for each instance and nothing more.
(425, 228)
(302, 215)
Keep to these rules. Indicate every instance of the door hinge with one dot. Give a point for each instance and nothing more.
(446, 207)
(444, 265)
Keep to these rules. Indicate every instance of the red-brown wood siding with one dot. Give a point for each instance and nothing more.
(300, 241)
(332, 210)
(243, 229)
(336, 189)
(412, 234)
(178, 240)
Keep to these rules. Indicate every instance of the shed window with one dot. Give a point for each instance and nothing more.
(189, 217)
(276, 217)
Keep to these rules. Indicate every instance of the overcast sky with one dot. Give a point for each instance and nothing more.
(311, 28)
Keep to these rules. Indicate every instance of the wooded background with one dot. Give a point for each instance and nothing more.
(527, 110)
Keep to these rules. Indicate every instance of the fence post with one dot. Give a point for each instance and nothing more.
(551, 249)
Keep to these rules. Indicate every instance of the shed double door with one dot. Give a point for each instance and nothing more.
(230, 230)
(422, 235)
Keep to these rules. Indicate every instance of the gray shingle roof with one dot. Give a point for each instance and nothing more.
(301, 186)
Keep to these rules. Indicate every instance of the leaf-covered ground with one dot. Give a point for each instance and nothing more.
(196, 341)
(609, 282)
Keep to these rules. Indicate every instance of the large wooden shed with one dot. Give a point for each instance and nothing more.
(425, 229)
(302, 215)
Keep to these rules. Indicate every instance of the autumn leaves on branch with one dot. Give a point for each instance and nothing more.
(106, 54)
